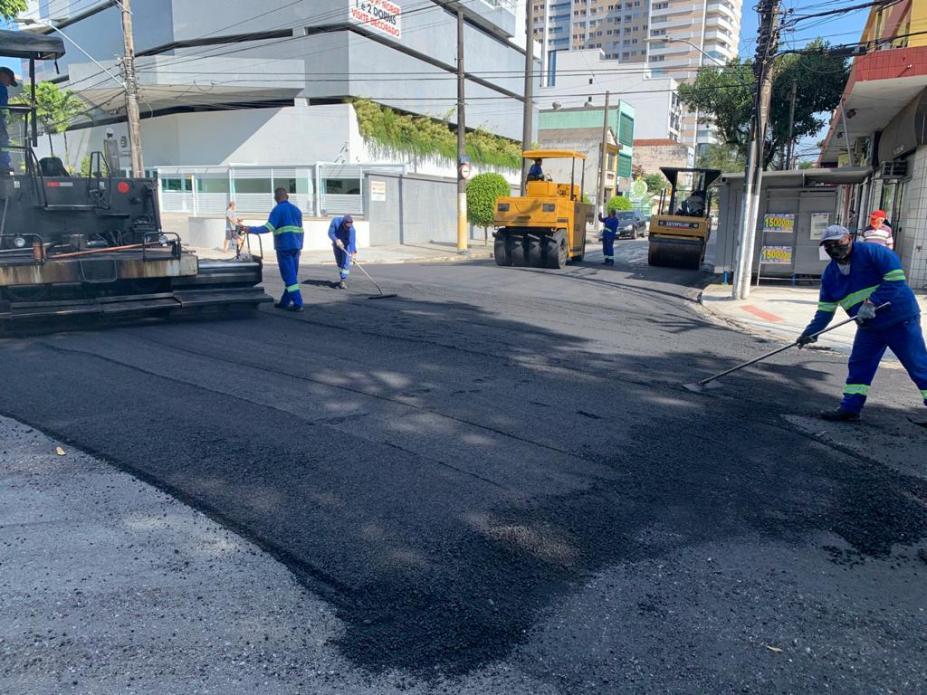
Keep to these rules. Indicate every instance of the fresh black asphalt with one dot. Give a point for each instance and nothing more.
(501, 466)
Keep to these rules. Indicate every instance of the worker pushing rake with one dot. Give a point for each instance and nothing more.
(867, 281)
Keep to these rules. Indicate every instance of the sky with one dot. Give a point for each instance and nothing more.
(837, 29)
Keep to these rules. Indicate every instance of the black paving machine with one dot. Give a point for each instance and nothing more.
(91, 245)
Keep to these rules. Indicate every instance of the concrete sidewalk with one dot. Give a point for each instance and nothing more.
(781, 312)
(433, 252)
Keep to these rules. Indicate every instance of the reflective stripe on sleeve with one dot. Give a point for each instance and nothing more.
(894, 275)
(829, 307)
(269, 227)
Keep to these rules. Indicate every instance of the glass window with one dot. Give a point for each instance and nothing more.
(212, 185)
(341, 186)
(288, 184)
(180, 184)
(254, 186)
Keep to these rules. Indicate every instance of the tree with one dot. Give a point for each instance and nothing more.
(482, 193)
(10, 8)
(724, 97)
(619, 203)
(726, 158)
(656, 183)
(55, 109)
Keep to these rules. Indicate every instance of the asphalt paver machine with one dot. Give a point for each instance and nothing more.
(91, 245)
(679, 231)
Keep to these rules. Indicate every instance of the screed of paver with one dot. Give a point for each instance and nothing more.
(108, 585)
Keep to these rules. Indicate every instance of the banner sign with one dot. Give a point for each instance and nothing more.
(379, 15)
(779, 223)
(776, 255)
(819, 222)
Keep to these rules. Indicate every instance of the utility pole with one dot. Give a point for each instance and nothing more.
(131, 86)
(766, 46)
(462, 161)
(603, 158)
(529, 85)
(792, 97)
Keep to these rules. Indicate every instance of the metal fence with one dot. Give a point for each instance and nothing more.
(317, 189)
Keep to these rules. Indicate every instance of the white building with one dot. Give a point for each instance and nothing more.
(574, 75)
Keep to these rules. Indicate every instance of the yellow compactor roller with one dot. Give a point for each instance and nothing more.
(679, 231)
(546, 227)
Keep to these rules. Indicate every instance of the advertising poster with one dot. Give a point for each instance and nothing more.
(819, 222)
(779, 223)
(379, 15)
(776, 255)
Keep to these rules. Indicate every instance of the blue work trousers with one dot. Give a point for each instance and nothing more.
(343, 259)
(288, 262)
(905, 339)
(608, 245)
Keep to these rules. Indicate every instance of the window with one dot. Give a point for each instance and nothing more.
(264, 186)
(180, 185)
(288, 184)
(341, 186)
(212, 185)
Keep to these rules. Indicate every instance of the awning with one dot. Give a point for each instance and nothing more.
(21, 44)
(795, 178)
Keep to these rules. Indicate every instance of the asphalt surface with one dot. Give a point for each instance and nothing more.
(499, 471)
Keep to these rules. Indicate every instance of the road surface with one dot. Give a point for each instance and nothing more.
(499, 472)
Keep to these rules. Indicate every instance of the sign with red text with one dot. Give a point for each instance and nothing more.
(382, 16)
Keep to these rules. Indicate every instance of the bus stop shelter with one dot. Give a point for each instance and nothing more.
(795, 208)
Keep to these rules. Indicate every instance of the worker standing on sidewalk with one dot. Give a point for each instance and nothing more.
(344, 245)
(859, 278)
(878, 231)
(608, 236)
(286, 224)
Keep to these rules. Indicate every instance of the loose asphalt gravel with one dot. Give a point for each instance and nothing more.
(495, 483)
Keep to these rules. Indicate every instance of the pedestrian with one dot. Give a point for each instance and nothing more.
(878, 230)
(609, 233)
(232, 224)
(859, 278)
(7, 79)
(344, 245)
(286, 224)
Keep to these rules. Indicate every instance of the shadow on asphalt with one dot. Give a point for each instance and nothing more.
(306, 438)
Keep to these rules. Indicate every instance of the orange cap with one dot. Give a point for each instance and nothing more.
(877, 213)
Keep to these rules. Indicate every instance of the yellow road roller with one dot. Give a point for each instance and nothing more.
(546, 227)
(679, 231)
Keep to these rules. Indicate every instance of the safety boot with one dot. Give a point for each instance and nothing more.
(840, 415)
(342, 285)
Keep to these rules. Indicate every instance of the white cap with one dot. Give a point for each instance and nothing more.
(835, 231)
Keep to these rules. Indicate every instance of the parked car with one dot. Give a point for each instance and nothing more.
(631, 225)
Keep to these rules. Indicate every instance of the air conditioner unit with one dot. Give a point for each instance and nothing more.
(895, 169)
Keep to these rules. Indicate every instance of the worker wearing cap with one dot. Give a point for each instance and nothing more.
(859, 278)
(344, 246)
(878, 231)
(286, 224)
(609, 233)
(7, 79)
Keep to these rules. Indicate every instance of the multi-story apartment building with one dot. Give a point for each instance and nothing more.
(675, 38)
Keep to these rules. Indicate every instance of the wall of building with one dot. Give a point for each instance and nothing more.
(650, 155)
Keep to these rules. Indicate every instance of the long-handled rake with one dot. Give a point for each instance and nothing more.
(382, 294)
(709, 383)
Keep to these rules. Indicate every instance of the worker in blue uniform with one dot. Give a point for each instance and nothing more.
(286, 224)
(860, 278)
(344, 245)
(608, 236)
(536, 172)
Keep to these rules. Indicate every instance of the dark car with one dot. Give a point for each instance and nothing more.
(631, 225)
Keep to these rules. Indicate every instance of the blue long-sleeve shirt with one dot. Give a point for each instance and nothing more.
(611, 224)
(875, 274)
(286, 224)
(336, 230)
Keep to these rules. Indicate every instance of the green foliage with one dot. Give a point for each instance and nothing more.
(723, 157)
(585, 199)
(483, 191)
(725, 97)
(85, 166)
(10, 8)
(655, 183)
(619, 203)
(420, 136)
(55, 108)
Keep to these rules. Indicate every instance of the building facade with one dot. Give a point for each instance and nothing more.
(581, 129)
(268, 84)
(879, 124)
(674, 38)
